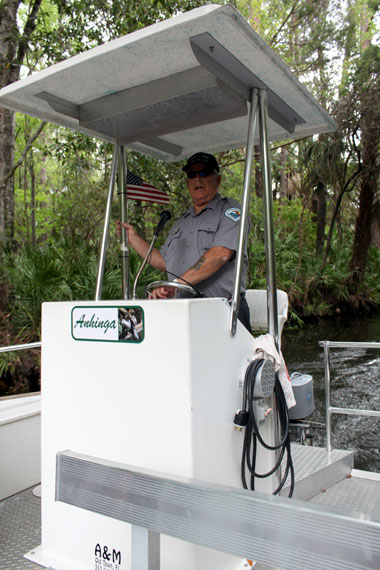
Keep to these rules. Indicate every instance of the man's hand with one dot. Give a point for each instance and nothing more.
(207, 265)
(131, 232)
(141, 246)
(162, 293)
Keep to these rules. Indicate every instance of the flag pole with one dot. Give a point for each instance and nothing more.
(131, 186)
(123, 204)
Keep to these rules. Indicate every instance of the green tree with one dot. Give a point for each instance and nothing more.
(14, 46)
(37, 34)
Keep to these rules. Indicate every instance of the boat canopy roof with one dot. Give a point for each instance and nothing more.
(172, 89)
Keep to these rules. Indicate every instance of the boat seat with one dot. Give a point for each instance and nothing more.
(257, 302)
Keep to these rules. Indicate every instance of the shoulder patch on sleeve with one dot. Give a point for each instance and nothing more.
(233, 214)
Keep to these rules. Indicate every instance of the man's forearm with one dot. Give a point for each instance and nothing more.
(141, 247)
(208, 265)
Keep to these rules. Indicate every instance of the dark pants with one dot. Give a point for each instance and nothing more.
(243, 313)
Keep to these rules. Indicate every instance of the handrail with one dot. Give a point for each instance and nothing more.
(244, 210)
(327, 344)
(18, 396)
(282, 532)
(20, 347)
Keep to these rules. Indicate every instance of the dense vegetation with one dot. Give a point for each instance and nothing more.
(53, 183)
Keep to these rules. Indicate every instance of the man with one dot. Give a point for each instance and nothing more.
(201, 246)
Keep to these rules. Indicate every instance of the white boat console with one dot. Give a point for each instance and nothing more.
(164, 402)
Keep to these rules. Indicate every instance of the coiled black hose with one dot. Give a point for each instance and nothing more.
(252, 435)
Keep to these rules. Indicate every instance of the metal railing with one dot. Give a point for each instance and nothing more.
(16, 347)
(20, 347)
(285, 533)
(326, 344)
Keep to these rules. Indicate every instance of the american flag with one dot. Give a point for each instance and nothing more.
(138, 189)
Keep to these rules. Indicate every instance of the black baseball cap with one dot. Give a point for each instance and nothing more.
(202, 158)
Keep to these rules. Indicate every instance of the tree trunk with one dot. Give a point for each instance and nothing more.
(7, 188)
(368, 190)
(32, 197)
(13, 48)
(321, 218)
(370, 126)
(347, 187)
(375, 230)
(8, 46)
(284, 175)
(26, 202)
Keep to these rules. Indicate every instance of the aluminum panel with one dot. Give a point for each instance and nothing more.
(146, 56)
(283, 532)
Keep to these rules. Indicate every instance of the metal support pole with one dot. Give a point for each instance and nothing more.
(145, 549)
(268, 220)
(103, 250)
(244, 210)
(272, 310)
(326, 351)
(123, 204)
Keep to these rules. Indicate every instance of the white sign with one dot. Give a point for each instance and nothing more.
(108, 324)
(93, 323)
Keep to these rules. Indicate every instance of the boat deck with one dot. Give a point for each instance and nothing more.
(352, 491)
(357, 493)
(20, 523)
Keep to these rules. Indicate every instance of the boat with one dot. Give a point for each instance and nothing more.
(148, 470)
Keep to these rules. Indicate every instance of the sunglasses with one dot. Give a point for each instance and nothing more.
(202, 173)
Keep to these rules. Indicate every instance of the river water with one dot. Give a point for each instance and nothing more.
(355, 382)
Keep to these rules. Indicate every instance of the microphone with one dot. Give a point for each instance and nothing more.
(165, 217)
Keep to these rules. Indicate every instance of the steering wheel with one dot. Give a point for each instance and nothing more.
(177, 286)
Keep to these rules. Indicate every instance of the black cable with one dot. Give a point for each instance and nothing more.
(199, 293)
(246, 417)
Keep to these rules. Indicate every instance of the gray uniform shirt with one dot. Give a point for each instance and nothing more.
(194, 234)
